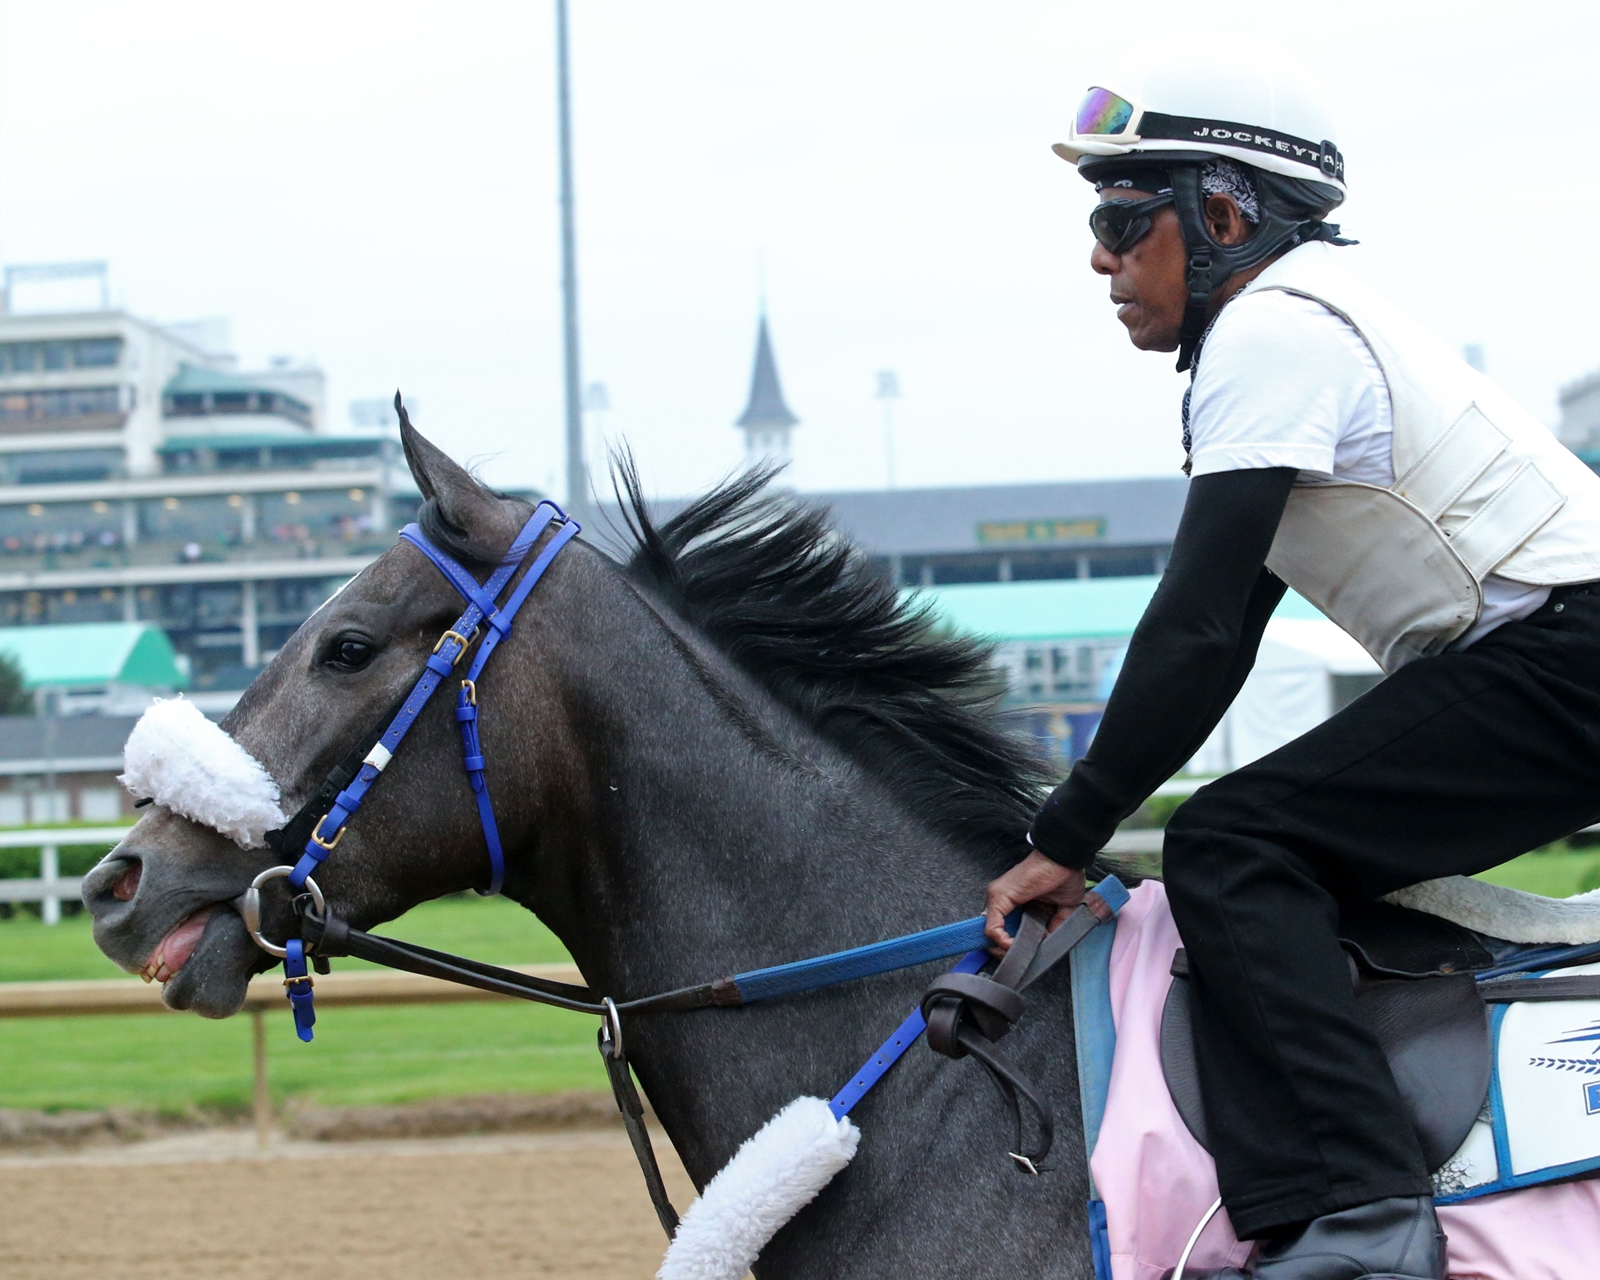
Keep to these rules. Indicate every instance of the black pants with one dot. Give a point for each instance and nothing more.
(1452, 765)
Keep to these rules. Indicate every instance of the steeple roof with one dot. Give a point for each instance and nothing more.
(766, 407)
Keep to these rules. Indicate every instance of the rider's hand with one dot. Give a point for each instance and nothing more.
(1034, 879)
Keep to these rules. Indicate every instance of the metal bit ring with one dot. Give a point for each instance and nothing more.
(248, 904)
(613, 1028)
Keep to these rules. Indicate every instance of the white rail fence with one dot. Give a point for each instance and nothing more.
(50, 889)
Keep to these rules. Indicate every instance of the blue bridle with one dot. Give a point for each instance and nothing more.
(495, 618)
(323, 819)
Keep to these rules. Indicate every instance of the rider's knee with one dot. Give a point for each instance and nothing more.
(1204, 828)
(1211, 810)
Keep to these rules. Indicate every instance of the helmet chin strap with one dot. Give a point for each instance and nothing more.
(1211, 263)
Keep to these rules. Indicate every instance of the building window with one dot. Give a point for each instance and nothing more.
(72, 402)
(96, 353)
(36, 357)
(201, 404)
(1138, 564)
(47, 806)
(39, 529)
(61, 466)
(100, 804)
(210, 519)
(21, 357)
(1057, 673)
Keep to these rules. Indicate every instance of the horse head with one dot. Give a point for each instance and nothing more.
(161, 899)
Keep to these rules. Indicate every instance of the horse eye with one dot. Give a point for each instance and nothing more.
(350, 653)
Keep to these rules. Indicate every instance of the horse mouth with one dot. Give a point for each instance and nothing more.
(173, 951)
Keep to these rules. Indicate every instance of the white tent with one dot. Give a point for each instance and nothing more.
(1295, 686)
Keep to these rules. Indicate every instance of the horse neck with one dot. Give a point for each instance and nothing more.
(693, 829)
(716, 833)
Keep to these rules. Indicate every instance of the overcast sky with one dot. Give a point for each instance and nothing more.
(374, 186)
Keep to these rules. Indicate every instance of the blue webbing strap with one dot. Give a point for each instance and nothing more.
(889, 1052)
(467, 706)
(1530, 958)
(564, 535)
(1090, 1002)
(452, 645)
(1095, 968)
(440, 664)
(1095, 1036)
(297, 986)
(860, 962)
(1100, 1241)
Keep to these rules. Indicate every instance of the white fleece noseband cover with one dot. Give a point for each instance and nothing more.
(182, 761)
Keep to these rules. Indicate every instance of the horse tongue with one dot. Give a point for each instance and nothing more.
(173, 951)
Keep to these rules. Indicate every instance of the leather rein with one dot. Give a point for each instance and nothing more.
(965, 1012)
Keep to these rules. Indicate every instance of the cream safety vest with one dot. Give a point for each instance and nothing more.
(1481, 487)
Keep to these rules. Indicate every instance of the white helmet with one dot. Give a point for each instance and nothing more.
(1185, 108)
(1250, 105)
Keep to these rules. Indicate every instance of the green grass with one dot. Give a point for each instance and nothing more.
(176, 1062)
(1557, 873)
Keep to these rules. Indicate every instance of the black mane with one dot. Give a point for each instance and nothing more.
(804, 612)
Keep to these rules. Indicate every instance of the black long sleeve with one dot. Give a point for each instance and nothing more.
(1185, 664)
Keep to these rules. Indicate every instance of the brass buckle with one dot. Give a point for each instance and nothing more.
(460, 639)
(471, 692)
(289, 982)
(316, 835)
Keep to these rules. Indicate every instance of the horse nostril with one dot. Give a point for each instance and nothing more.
(127, 884)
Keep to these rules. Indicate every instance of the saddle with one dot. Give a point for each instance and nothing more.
(1414, 979)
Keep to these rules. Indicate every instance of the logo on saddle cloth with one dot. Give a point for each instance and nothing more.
(1587, 1066)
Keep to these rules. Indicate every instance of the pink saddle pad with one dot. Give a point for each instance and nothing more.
(1157, 1182)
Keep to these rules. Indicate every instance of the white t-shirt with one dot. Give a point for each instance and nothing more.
(1284, 382)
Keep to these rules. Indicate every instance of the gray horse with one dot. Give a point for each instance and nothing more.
(734, 750)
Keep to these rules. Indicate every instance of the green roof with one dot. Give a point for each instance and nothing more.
(93, 653)
(1057, 608)
(265, 440)
(195, 379)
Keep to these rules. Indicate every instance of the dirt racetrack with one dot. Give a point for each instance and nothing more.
(208, 1207)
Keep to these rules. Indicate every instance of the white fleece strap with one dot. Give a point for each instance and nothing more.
(179, 759)
(774, 1175)
(1506, 913)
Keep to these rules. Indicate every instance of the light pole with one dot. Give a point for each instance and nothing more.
(577, 471)
(888, 392)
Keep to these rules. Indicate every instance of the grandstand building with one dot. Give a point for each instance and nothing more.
(142, 478)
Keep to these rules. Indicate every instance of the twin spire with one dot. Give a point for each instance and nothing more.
(766, 420)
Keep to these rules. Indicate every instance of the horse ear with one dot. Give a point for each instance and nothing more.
(461, 500)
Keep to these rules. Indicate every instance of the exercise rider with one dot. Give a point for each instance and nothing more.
(1335, 447)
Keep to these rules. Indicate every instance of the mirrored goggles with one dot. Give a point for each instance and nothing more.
(1104, 114)
(1121, 224)
(1123, 122)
